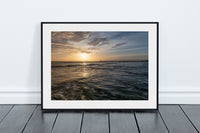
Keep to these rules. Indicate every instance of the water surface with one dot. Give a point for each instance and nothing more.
(99, 80)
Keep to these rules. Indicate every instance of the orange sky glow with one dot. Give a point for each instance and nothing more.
(99, 46)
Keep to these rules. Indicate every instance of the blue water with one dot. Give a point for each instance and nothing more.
(99, 80)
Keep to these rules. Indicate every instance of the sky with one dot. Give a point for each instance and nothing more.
(99, 46)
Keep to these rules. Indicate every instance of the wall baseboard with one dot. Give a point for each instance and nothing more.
(179, 97)
(20, 97)
(165, 97)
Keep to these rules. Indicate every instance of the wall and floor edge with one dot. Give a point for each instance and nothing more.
(168, 96)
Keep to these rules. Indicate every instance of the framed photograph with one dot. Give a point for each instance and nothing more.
(99, 65)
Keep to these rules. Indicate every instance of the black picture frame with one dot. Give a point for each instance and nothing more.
(157, 62)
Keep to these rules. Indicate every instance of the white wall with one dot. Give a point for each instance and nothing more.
(20, 41)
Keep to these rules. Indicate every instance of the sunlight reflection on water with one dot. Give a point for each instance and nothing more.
(85, 72)
(100, 80)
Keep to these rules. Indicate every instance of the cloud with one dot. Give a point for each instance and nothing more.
(66, 37)
(99, 42)
(68, 48)
(93, 48)
(79, 36)
(61, 45)
(108, 45)
(119, 44)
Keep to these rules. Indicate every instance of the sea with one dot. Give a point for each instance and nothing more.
(105, 80)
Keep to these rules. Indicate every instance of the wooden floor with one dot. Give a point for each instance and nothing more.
(169, 118)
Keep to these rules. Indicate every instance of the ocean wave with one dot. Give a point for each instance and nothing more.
(100, 81)
(87, 89)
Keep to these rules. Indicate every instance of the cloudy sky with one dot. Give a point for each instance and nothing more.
(99, 46)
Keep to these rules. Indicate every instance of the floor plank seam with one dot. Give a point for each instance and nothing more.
(109, 121)
(29, 119)
(189, 118)
(81, 122)
(7, 113)
(108, 117)
(164, 122)
(54, 121)
(136, 122)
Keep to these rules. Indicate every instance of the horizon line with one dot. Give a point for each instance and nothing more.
(105, 61)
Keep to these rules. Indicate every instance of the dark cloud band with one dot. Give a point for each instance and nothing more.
(66, 37)
(119, 44)
(99, 42)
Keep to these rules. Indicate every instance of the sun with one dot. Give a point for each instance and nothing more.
(84, 56)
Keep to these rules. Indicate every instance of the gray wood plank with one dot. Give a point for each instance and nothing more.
(68, 122)
(193, 112)
(95, 122)
(40, 122)
(122, 122)
(150, 122)
(16, 119)
(175, 119)
(4, 109)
